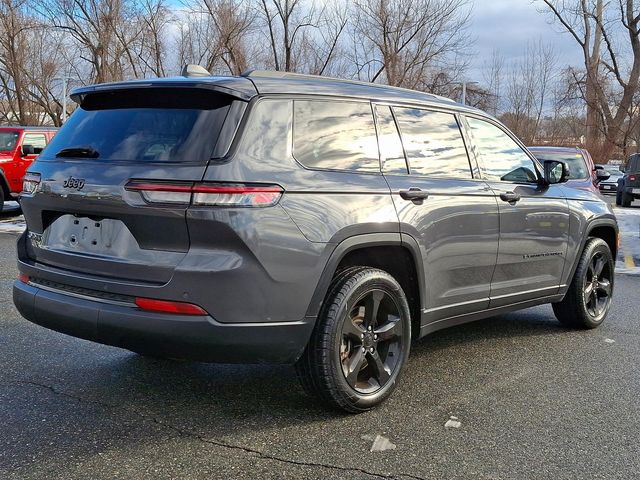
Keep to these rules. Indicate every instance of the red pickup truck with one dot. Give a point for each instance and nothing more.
(19, 146)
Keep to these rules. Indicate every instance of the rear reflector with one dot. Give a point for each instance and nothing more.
(23, 277)
(166, 306)
(208, 194)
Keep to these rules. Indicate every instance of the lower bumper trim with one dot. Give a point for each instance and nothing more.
(198, 338)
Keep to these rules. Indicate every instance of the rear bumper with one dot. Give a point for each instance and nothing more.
(178, 336)
(607, 188)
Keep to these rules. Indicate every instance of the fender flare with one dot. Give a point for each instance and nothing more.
(363, 241)
(596, 222)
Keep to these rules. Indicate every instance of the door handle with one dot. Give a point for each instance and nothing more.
(511, 197)
(414, 194)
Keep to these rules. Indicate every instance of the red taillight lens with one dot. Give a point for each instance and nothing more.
(152, 192)
(30, 182)
(632, 178)
(23, 277)
(166, 306)
(207, 194)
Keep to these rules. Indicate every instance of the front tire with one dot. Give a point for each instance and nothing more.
(588, 299)
(360, 343)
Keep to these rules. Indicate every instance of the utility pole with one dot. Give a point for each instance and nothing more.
(464, 91)
(64, 79)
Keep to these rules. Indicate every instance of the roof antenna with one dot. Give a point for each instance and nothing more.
(195, 71)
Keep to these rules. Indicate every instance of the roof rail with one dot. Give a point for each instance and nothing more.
(303, 76)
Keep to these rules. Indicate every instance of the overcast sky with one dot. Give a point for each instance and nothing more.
(507, 25)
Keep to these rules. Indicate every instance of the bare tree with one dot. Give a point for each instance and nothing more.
(302, 35)
(528, 88)
(408, 43)
(493, 72)
(102, 30)
(30, 60)
(594, 25)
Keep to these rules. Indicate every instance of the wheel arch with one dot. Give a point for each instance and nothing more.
(603, 228)
(4, 185)
(383, 251)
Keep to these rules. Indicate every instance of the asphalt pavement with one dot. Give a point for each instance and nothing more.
(533, 401)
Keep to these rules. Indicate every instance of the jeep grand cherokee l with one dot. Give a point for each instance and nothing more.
(281, 218)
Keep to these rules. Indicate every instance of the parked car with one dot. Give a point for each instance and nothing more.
(629, 184)
(19, 146)
(583, 173)
(281, 218)
(610, 185)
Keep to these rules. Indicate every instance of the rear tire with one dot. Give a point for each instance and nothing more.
(588, 299)
(618, 198)
(360, 343)
(626, 199)
(1, 198)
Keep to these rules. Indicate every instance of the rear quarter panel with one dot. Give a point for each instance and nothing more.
(285, 249)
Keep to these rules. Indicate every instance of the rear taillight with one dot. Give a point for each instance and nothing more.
(30, 182)
(166, 306)
(632, 178)
(207, 194)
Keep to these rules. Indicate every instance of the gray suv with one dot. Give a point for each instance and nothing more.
(280, 218)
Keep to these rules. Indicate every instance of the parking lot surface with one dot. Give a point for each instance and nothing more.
(533, 400)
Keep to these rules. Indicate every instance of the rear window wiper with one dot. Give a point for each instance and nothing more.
(80, 152)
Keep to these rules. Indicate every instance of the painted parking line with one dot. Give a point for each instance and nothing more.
(629, 262)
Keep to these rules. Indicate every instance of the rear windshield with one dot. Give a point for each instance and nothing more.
(577, 165)
(145, 125)
(8, 141)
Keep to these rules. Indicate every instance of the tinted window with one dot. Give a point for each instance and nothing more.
(501, 158)
(433, 143)
(335, 135)
(8, 141)
(391, 153)
(150, 125)
(37, 140)
(577, 165)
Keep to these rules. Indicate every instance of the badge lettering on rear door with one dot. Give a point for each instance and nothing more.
(71, 182)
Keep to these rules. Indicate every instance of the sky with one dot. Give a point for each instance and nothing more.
(507, 25)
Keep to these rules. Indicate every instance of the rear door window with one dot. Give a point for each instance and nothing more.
(335, 135)
(37, 140)
(144, 125)
(433, 143)
(8, 141)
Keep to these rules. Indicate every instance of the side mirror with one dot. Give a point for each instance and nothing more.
(601, 174)
(28, 150)
(555, 172)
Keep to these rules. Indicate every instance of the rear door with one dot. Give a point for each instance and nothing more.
(442, 205)
(98, 209)
(38, 140)
(534, 219)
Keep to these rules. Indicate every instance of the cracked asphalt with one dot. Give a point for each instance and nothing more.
(534, 400)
